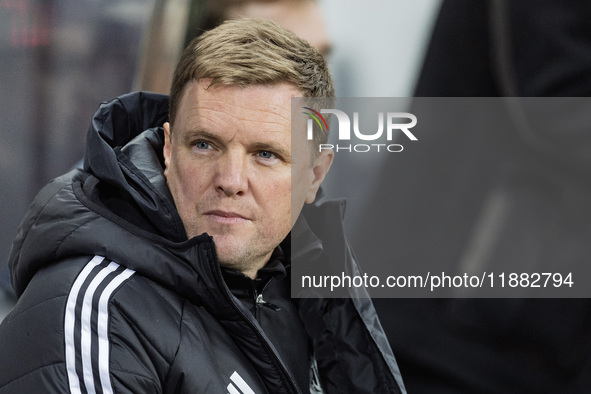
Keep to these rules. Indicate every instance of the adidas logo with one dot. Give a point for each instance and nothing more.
(238, 385)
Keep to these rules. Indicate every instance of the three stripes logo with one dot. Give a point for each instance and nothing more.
(86, 325)
(238, 385)
(86, 329)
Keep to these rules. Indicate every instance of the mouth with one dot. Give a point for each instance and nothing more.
(226, 217)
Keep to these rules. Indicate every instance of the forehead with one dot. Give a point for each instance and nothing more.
(263, 105)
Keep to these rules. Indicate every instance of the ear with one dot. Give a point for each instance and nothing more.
(167, 150)
(319, 170)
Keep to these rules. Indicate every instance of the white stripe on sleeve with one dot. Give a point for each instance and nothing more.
(84, 351)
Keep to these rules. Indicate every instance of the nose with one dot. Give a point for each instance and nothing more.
(231, 176)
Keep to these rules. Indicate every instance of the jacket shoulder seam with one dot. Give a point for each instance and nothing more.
(42, 209)
(36, 305)
(69, 234)
(178, 347)
(31, 372)
(135, 373)
(140, 333)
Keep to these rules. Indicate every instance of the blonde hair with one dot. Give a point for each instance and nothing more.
(246, 52)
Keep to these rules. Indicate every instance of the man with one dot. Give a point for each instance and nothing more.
(164, 265)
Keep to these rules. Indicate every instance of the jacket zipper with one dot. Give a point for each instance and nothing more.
(259, 301)
(254, 328)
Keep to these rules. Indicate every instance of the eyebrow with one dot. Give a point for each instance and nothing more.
(191, 135)
(278, 147)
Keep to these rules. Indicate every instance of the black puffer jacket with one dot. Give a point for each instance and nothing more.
(114, 298)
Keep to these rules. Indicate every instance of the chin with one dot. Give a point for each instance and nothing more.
(231, 261)
(228, 256)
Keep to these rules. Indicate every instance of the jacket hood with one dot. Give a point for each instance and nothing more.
(118, 207)
(117, 155)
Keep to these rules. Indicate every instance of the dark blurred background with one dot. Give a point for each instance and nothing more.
(58, 60)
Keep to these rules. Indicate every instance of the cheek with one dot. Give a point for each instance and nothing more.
(273, 193)
(185, 181)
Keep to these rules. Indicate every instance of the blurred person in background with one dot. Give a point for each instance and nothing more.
(476, 196)
(303, 17)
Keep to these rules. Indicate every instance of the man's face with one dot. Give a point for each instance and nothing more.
(229, 167)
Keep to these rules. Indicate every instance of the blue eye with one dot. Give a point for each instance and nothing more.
(202, 145)
(265, 154)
